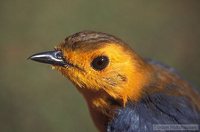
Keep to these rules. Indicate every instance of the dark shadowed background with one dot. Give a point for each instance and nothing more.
(34, 98)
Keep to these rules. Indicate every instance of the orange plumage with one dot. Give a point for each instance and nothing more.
(110, 75)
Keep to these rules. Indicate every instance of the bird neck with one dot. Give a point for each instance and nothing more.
(101, 107)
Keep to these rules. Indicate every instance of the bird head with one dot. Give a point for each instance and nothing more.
(103, 68)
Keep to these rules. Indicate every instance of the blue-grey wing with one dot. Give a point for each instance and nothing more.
(154, 110)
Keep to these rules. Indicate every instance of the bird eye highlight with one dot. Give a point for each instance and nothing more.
(99, 63)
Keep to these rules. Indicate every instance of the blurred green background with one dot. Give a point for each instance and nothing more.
(34, 98)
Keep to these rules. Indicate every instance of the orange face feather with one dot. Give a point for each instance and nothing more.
(116, 79)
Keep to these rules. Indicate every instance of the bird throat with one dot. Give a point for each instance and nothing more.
(101, 106)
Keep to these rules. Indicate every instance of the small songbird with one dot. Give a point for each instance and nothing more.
(124, 92)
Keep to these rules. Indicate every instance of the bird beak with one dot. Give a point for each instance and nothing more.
(50, 57)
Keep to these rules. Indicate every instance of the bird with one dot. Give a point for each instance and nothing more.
(124, 92)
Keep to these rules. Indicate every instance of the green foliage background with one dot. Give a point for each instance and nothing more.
(34, 98)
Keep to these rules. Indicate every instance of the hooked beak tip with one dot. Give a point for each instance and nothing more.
(30, 57)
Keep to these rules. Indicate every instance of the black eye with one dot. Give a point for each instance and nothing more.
(100, 62)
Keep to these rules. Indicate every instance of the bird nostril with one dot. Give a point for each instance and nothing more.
(59, 55)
